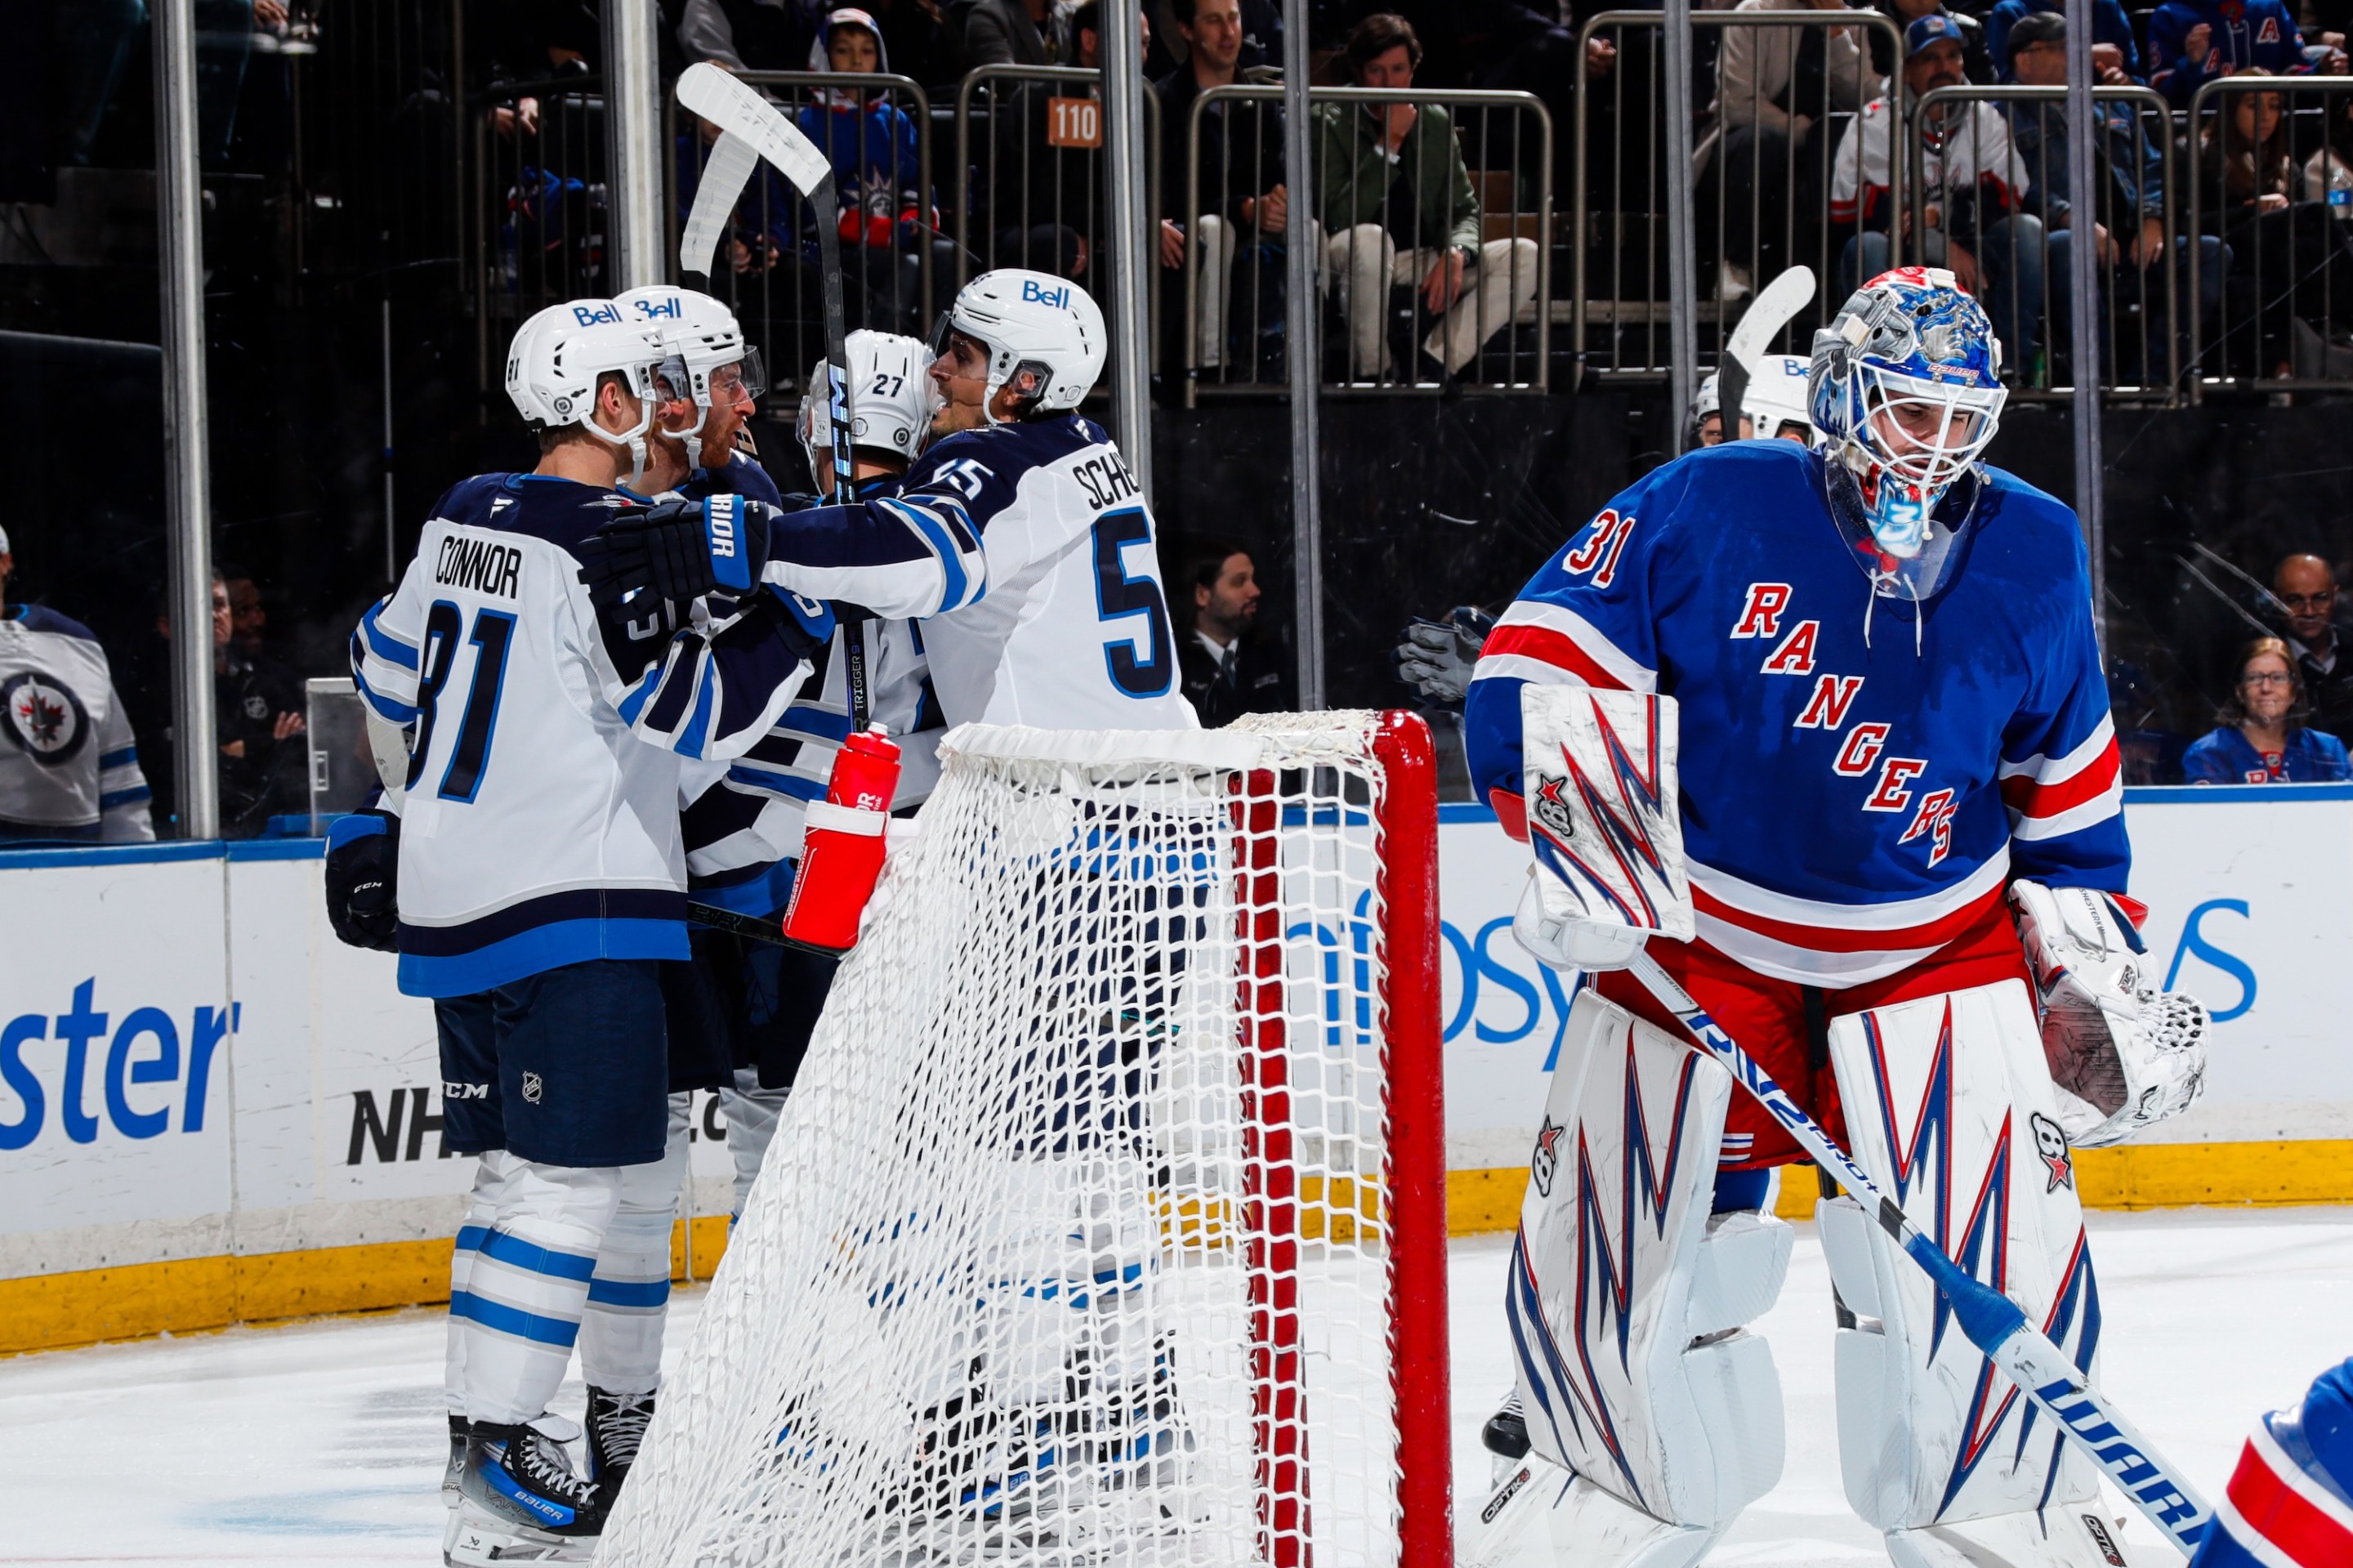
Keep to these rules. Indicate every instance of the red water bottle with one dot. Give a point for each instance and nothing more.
(842, 844)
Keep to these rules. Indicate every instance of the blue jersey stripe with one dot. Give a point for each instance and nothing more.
(517, 1252)
(629, 1292)
(382, 644)
(534, 951)
(513, 1320)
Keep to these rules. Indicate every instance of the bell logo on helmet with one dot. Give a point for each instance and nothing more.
(1035, 293)
(670, 309)
(597, 315)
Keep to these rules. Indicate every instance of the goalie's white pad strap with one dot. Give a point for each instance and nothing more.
(1619, 1268)
(1949, 1108)
(1602, 811)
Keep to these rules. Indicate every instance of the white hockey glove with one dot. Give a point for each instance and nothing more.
(2123, 1054)
(1605, 824)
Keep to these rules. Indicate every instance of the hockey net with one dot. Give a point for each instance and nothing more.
(1106, 1222)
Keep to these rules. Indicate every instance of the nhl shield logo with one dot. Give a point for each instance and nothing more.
(44, 718)
(531, 1087)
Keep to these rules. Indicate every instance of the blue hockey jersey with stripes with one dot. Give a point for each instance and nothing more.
(540, 824)
(1860, 779)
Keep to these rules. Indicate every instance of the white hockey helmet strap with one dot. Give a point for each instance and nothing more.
(891, 400)
(700, 336)
(558, 359)
(1034, 321)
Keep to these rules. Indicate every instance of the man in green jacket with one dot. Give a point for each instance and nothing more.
(1397, 207)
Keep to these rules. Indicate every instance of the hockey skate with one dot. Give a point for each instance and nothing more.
(521, 1502)
(616, 1427)
(456, 1468)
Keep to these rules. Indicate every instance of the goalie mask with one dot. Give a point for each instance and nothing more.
(891, 400)
(701, 341)
(1043, 334)
(557, 359)
(1905, 389)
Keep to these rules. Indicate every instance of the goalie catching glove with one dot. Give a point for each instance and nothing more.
(2124, 1055)
(679, 550)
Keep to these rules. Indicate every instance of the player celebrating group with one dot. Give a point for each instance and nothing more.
(1892, 715)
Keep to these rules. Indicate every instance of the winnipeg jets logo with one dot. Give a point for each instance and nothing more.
(2050, 1145)
(1546, 1163)
(44, 718)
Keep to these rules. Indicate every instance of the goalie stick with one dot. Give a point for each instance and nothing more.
(751, 129)
(1775, 306)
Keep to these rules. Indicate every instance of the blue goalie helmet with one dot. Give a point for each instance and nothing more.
(1906, 391)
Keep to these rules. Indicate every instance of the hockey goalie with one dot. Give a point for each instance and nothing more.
(1826, 728)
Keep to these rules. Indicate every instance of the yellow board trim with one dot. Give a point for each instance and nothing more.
(86, 1307)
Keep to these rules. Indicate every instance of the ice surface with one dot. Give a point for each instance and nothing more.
(322, 1442)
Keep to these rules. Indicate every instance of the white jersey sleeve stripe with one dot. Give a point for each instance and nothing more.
(2107, 803)
(2056, 770)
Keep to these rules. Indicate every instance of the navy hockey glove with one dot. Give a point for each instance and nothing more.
(1437, 657)
(362, 880)
(678, 550)
(804, 625)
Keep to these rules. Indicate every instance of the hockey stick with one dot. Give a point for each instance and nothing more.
(1760, 324)
(1994, 1323)
(742, 114)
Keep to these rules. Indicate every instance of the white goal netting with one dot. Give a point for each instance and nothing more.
(1088, 1234)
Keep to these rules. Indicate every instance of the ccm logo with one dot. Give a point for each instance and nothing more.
(1033, 293)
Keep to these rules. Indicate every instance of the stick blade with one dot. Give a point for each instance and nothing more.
(737, 109)
(724, 175)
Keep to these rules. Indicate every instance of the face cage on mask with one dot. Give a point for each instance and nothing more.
(1932, 465)
(696, 378)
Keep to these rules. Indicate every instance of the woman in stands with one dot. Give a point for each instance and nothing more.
(2256, 742)
(2287, 258)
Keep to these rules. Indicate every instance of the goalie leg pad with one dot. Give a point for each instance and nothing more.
(1949, 1109)
(629, 1296)
(1627, 1296)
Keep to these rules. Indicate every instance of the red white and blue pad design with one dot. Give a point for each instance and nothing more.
(1617, 1268)
(1602, 811)
(1949, 1110)
(2290, 1502)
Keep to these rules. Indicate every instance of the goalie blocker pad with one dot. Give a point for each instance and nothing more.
(1601, 810)
(1627, 1298)
(1949, 1109)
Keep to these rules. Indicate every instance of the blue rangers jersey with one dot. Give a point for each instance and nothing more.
(540, 825)
(71, 770)
(1859, 781)
(1031, 555)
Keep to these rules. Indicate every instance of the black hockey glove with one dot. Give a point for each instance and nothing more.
(678, 550)
(1437, 657)
(363, 871)
(803, 625)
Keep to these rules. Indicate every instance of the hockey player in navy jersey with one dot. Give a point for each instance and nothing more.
(1901, 822)
(1019, 537)
(541, 878)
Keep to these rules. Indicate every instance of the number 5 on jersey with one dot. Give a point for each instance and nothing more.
(1119, 596)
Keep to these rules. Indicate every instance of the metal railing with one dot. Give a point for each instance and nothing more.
(539, 154)
(2276, 205)
(1764, 195)
(2019, 254)
(767, 266)
(1236, 298)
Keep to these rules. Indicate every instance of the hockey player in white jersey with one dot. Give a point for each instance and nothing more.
(541, 876)
(72, 772)
(1019, 537)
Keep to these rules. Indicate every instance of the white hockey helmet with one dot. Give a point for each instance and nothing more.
(557, 357)
(1778, 396)
(1708, 399)
(1031, 322)
(891, 400)
(699, 337)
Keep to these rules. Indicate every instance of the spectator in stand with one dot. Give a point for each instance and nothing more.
(1399, 208)
(1774, 87)
(1262, 38)
(1229, 670)
(1042, 200)
(70, 769)
(2255, 743)
(2133, 164)
(2193, 42)
(871, 144)
(249, 622)
(1245, 206)
(1976, 64)
(2115, 56)
(750, 35)
(993, 32)
(2305, 587)
(1973, 182)
(258, 722)
(2293, 259)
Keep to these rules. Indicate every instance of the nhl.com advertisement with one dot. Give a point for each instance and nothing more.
(191, 1065)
